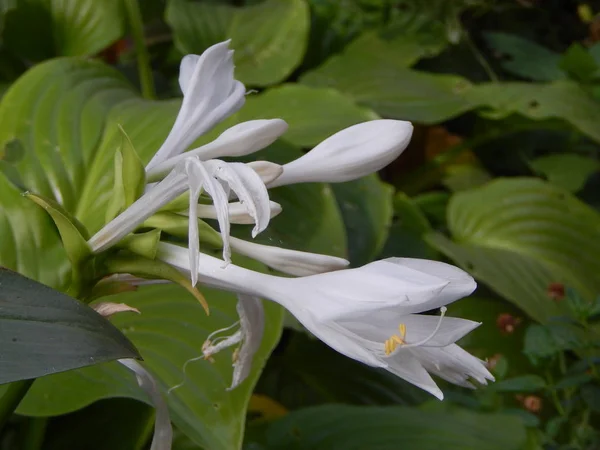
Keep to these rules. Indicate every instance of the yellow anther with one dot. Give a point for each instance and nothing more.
(236, 355)
(394, 340)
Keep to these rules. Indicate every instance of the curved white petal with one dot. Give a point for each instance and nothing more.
(163, 432)
(350, 154)
(266, 170)
(407, 367)
(210, 93)
(241, 139)
(237, 212)
(292, 262)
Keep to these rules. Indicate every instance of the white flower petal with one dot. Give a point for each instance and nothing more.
(349, 154)
(407, 367)
(220, 201)
(167, 190)
(195, 182)
(267, 171)
(252, 323)
(210, 93)
(163, 432)
(288, 261)
(249, 188)
(239, 140)
(237, 212)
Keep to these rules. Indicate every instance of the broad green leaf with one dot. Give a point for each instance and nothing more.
(54, 116)
(366, 207)
(393, 90)
(43, 331)
(579, 63)
(565, 100)
(524, 383)
(519, 235)
(115, 424)
(525, 58)
(169, 331)
(391, 428)
(42, 29)
(269, 38)
(309, 373)
(461, 177)
(566, 170)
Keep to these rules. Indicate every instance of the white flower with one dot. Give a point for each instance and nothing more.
(241, 139)
(252, 324)
(292, 262)
(210, 94)
(163, 432)
(215, 177)
(349, 154)
(370, 313)
(237, 212)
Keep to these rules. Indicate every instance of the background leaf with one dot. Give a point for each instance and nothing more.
(42, 29)
(335, 427)
(170, 331)
(514, 235)
(43, 331)
(566, 170)
(269, 38)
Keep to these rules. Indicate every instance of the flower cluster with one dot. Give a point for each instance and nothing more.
(371, 313)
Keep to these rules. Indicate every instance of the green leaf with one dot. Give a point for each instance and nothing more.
(269, 38)
(366, 207)
(72, 233)
(43, 331)
(461, 177)
(42, 29)
(578, 63)
(393, 90)
(390, 428)
(514, 235)
(524, 383)
(563, 99)
(169, 331)
(591, 396)
(567, 170)
(56, 113)
(525, 58)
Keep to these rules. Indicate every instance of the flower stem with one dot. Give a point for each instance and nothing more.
(36, 430)
(11, 399)
(143, 57)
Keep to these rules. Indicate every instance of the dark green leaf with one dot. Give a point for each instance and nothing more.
(525, 383)
(366, 207)
(335, 427)
(525, 58)
(591, 396)
(43, 331)
(40, 29)
(567, 170)
(578, 63)
(269, 38)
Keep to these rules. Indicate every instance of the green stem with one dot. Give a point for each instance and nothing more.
(481, 59)
(143, 57)
(34, 433)
(11, 399)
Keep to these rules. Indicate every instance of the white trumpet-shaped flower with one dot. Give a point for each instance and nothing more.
(210, 94)
(370, 313)
(349, 154)
(241, 139)
(292, 262)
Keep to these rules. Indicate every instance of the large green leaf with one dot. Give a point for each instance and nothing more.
(43, 331)
(519, 235)
(335, 427)
(366, 206)
(570, 171)
(42, 29)
(525, 58)
(169, 331)
(51, 121)
(269, 38)
(385, 84)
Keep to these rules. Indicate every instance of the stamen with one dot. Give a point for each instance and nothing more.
(394, 340)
